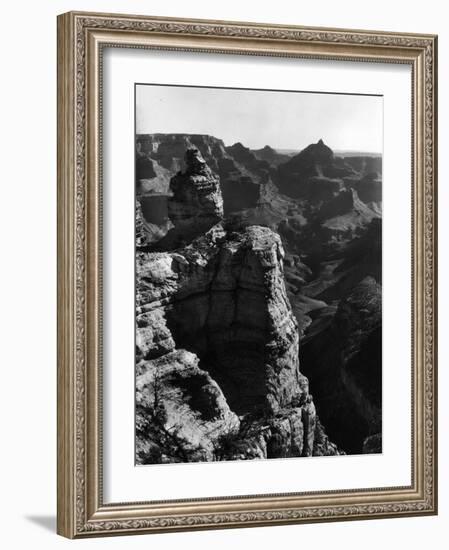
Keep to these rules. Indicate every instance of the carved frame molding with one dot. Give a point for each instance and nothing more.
(81, 37)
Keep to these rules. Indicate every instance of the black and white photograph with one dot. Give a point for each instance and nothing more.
(258, 274)
(221, 310)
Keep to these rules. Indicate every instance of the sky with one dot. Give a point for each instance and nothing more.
(283, 120)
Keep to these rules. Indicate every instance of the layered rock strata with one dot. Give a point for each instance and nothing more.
(314, 173)
(196, 202)
(181, 412)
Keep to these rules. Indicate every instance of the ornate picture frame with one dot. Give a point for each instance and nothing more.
(82, 39)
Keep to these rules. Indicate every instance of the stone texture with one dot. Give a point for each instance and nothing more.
(196, 203)
(181, 412)
(224, 296)
(344, 364)
(314, 173)
(222, 300)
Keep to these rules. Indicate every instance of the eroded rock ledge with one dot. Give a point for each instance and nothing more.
(217, 347)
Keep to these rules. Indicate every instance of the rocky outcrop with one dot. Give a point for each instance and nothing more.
(247, 158)
(181, 412)
(222, 300)
(310, 174)
(315, 160)
(196, 203)
(317, 175)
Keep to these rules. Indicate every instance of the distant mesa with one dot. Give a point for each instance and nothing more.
(270, 155)
(313, 168)
(244, 155)
(313, 157)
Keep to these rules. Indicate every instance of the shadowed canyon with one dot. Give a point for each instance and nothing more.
(258, 301)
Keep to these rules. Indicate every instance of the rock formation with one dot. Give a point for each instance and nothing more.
(246, 260)
(216, 338)
(181, 411)
(196, 203)
(314, 173)
(243, 176)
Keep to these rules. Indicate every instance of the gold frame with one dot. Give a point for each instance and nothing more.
(81, 37)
